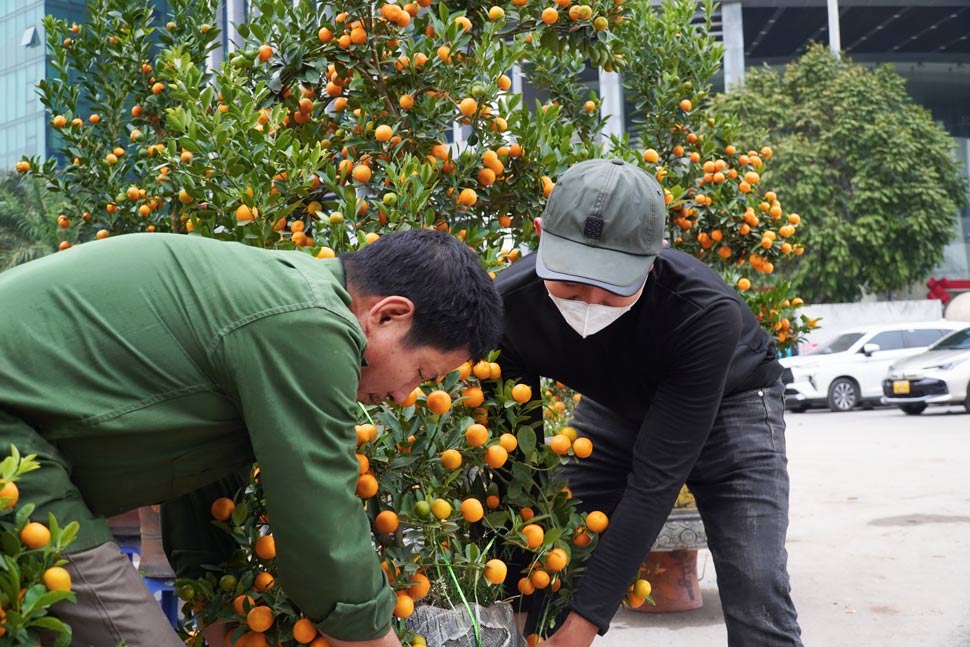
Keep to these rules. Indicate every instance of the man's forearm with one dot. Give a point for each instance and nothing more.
(576, 631)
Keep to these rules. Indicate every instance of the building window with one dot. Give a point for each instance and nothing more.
(30, 38)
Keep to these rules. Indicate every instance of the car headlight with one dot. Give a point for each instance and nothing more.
(949, 365)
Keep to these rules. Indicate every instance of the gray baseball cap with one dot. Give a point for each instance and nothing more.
(603, 226)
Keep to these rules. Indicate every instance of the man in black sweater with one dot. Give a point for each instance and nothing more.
(680, 384)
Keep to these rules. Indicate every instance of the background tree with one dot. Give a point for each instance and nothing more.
(28, 220)
(873, 169)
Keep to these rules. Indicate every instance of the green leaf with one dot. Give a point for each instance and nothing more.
(527, 441)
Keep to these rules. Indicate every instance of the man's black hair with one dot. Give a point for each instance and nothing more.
(455, 301)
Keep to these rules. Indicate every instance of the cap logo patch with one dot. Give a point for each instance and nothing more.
(593, 228)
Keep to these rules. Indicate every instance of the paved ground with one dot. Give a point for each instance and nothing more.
(879, 541)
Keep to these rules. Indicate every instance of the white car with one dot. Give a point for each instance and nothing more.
(849, 370)
(941, 375)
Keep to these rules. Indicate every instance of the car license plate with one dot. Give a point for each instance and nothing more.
(900, 387)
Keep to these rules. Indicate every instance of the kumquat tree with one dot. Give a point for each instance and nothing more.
(328, 126)
(32, 577)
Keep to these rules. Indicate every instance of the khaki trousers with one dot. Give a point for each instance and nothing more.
(113, 603)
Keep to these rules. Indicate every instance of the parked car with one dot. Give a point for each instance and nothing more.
(941, 375)
(848, 370)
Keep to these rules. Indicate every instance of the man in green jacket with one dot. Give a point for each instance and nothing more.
(153, 368)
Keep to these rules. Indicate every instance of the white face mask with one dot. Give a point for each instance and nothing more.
(588, 318)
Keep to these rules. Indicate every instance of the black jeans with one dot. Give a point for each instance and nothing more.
(740, 483)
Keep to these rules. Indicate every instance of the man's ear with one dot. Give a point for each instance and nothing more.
(538, 223)
(391, 310)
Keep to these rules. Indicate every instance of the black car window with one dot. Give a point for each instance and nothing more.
(959, 340)
(889, 340)
(838, 345)
(922, 337)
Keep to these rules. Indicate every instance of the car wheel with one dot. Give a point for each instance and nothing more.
(913, 409)
(843, 395)
(799, 408)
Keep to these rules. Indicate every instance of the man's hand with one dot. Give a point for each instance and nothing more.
(215, 635)
(576, 631)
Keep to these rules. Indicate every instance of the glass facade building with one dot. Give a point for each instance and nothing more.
(23, 123)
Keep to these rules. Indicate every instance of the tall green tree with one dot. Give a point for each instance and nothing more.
(28, 221)
(870, 168)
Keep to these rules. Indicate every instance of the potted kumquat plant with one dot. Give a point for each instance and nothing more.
(32, 577)
(459, 489)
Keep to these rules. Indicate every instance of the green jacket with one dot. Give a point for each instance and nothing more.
(157, 364)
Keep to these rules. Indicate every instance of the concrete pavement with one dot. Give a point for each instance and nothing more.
(879, 541)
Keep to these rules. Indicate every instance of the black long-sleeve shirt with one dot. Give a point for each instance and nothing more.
(688, 341)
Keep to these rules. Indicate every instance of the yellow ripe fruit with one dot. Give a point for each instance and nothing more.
(260, 618)
(222, 508)
(367, 486)
(35, 535)
(559, 444)
(467, 197)
(383, 133)
(386, 522)
(473, 397)
(244, 213)
(597, 521)
(265, 51)
(468, 106)
(534, 535)
(556, 560)
(439, 402)
(650, 156)
(476, 435)
(304, 631)
(441, 509)
(508, 442)
(495, 571)
(472, 510)
(362, 173)
(582, 447)
(496, 13)
(264, 582)
(265, 547)
(495, 456)
(420, 586)
(451, 459)
(642, 588)
(504, 82)
(550, 16)
(521, 393)
(481, 370)
(686, 105)
(11, 492)
(57, 578)
(744, 284)
(405, 605)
